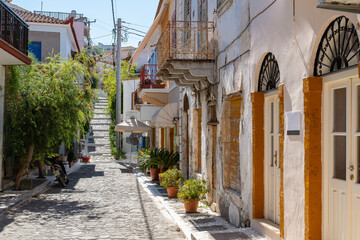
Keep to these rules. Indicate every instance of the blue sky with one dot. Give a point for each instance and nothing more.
(140, 12)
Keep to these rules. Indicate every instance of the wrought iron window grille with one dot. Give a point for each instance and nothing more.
(269, 77)
(338, 48)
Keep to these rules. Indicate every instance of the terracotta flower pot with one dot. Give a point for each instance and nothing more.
(154, 174)
(172, 191)
(191, 205)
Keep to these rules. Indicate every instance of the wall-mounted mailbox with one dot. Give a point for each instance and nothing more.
(293, 120)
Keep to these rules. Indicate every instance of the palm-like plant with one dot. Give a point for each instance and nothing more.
(166, 159)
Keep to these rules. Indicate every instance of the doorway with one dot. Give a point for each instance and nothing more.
(272, 158)
(342, 158)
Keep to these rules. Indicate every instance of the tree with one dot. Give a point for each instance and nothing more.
(47, 104)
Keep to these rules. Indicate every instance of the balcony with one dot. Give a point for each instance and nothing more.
(148, 78)
(340, 5)
(14, 32)
(151, 88)
(186, 54)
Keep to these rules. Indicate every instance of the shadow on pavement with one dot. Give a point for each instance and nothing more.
(55, 208)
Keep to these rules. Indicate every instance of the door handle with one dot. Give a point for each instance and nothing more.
(275, 156)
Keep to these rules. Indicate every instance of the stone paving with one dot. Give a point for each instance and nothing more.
(203, 225)
(102, 201)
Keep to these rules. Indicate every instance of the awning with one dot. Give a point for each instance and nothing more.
(132, 125)
(164, 117)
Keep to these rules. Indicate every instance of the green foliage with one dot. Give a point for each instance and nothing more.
(47, 105)
(156, 158)
(71, 154)
(165, 159)
(94, 80)
(109, 81)
(193, 189)
(171, 178)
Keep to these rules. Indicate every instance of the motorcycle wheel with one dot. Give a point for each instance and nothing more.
(61, 179)
(66, 178)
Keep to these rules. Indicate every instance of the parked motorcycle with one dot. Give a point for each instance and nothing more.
(58, 168)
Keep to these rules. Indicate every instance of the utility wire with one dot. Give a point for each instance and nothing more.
(135, 24)
(103, 36)
(113, 13)
(135, 34)
(127, 28)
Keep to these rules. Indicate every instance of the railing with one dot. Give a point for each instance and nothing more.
(148, 78)
(13, 29)
(60, 15)
(187, 41)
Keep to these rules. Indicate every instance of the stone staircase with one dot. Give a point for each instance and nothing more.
(98, 141)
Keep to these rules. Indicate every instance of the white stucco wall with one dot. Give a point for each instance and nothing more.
(129, 87)
(67, 40)
(244, 33)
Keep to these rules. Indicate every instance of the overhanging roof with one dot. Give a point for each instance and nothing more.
(152, 29)
(340, 5)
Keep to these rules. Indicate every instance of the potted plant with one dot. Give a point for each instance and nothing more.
(191, 193)
(147, 160)
(171, 180)
(166, 160)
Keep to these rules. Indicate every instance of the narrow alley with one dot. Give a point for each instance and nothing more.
(102, 201)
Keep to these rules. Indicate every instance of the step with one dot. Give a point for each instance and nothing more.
(100, 154)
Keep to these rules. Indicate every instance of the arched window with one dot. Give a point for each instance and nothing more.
(338, 48)
(269, 77)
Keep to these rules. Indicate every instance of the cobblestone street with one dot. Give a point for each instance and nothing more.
(102, 201)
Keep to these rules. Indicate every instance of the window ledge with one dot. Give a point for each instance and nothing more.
(267, 228)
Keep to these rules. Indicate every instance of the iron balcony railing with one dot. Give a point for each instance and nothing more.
(186, 40)
(148, 78)
(60, 15)
(13, 29)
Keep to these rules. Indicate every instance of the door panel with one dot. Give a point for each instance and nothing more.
(354, 165)
(272, 166)
(342, 148)
(339, 132)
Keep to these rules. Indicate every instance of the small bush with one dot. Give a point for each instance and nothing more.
(193, 189)
(171, 178)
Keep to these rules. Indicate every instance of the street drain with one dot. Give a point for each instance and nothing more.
(211, 228)
(162, 190)
(202, 221)
(124, 170)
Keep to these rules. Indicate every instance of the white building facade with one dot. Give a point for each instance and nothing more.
(269, 115)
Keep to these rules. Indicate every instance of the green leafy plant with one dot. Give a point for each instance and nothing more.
(193, 189)
(171, 178)
(150, 158)
(165, 159)
(109, 81)
(47, 104)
